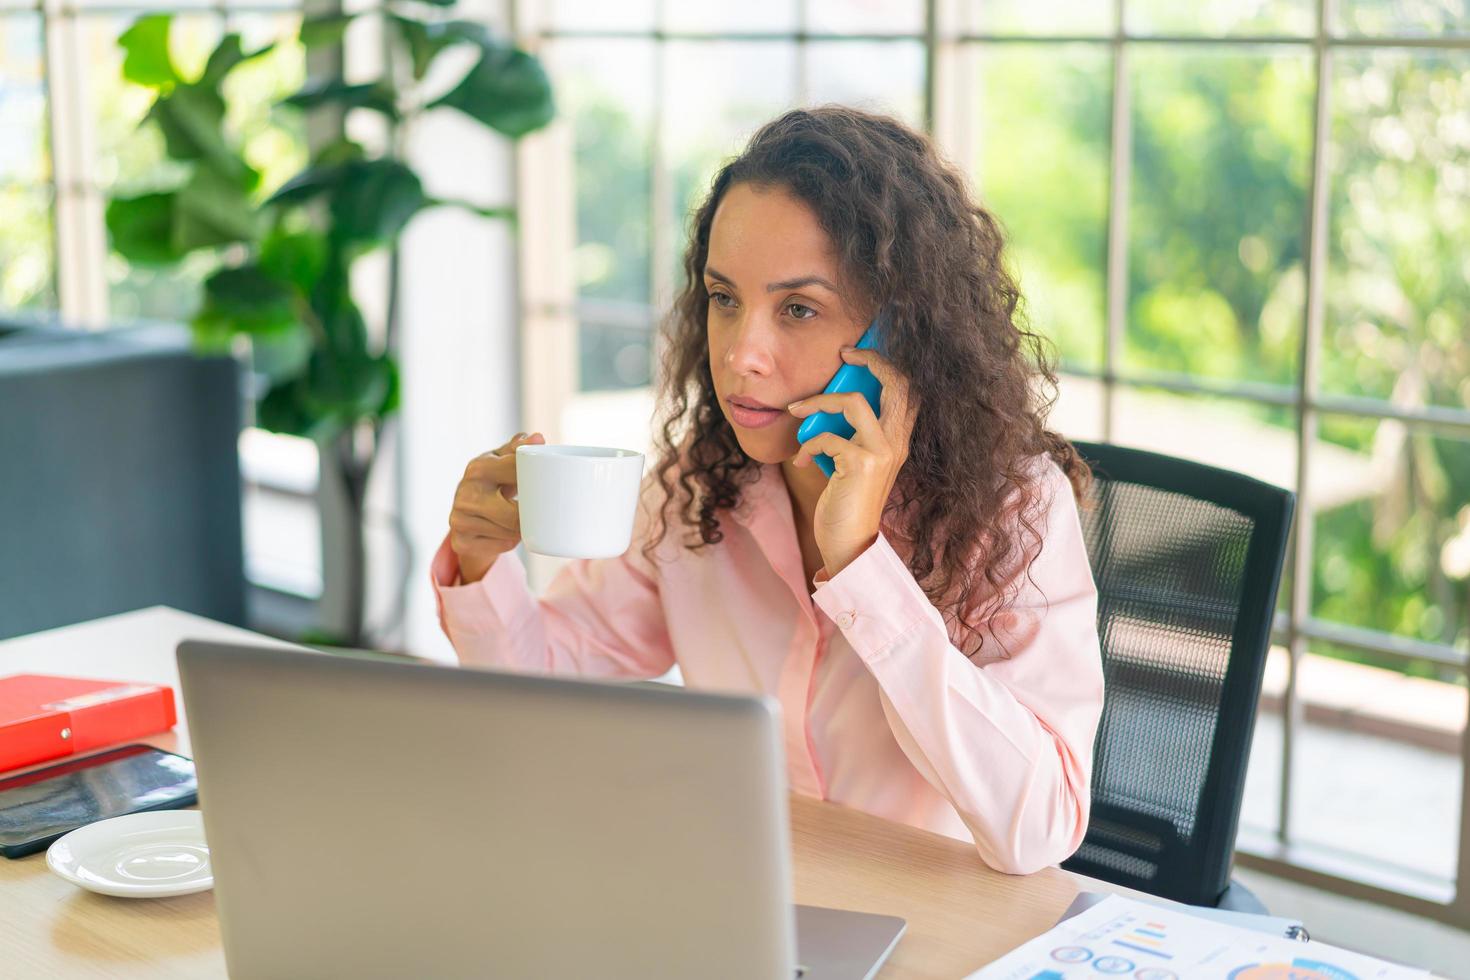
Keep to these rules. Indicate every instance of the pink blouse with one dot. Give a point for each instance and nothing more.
(881, 710)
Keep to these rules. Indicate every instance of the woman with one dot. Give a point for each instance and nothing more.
(927, 616)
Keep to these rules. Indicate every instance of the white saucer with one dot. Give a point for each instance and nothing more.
(141, 855)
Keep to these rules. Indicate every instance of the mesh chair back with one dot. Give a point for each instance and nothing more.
(1187, 560)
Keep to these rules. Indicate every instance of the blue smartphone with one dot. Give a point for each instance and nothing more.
(849, 377)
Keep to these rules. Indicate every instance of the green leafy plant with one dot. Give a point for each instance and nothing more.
(284, 258)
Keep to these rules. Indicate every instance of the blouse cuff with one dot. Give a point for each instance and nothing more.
(874, 600)
(493, 603)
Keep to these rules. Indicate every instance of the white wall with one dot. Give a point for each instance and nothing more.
(458, 346)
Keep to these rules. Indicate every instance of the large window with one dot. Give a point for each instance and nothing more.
(1245, 226)
(72, 138)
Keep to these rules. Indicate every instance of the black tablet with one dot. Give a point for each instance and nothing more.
(40, 806)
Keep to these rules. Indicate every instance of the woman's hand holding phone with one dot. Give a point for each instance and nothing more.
(849, 377)
(865, 466)
(485, 521)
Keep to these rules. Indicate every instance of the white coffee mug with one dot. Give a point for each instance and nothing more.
(577, 501)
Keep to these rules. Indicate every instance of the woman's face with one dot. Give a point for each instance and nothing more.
(776, 318)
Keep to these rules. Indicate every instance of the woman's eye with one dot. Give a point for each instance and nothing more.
(719, 298)
(800, 306)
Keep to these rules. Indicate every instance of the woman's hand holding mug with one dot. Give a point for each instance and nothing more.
(485, 521)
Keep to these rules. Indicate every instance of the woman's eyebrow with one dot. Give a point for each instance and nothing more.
(796, 283)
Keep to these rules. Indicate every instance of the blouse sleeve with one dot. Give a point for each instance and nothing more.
(599, 617)
(1008, 743)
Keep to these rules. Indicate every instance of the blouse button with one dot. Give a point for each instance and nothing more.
(845, 619)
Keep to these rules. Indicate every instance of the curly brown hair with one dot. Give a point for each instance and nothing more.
(910, 238)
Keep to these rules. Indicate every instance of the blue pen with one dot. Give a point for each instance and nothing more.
(849, 377)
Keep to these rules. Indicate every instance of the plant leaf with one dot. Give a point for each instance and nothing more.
(320, 175)
(283, 409)
(226, 55)
(368, 95)
(349, 384)
(392, 397)
(331, 301)
(147, 60)
(212, 210)
(373, 200)
(283, 354)
(249, 300)
(141, 228)
(327, 29)
(295, 257)
(415, 34)
(306, 185)
(507, 90)
(211, 334)
(338, 151)
(426, 40)
(191, 118)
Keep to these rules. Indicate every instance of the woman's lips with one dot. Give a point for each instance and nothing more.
(753, 418)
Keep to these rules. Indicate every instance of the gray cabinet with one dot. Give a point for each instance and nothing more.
(119, 477)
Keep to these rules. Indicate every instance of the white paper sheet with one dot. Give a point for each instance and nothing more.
(1130, 940)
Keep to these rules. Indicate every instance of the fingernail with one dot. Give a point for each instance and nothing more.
(847, 347)
(792, 405)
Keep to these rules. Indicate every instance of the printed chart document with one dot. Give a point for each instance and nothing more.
(1124, 938)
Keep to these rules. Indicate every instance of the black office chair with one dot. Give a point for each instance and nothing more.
(1187, 560)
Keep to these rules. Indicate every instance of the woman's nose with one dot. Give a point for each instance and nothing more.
(750, 347)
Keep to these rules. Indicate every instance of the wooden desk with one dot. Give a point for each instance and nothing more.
(961, 914)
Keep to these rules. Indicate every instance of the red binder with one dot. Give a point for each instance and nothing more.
(44, 717)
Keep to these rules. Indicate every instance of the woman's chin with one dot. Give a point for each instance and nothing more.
(766, 447)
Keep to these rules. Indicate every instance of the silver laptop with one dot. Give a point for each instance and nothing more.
(377, 819)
